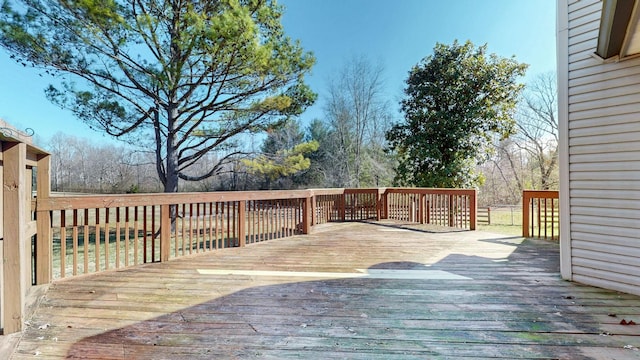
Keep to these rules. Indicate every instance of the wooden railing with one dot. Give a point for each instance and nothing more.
(327, 205)
(444, 207)
(89, 234)
(96, 233)
(361, 204)
(541, 214)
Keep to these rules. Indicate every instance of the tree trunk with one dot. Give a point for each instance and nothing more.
(171, 162)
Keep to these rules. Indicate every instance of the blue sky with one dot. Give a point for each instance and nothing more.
(396, 34)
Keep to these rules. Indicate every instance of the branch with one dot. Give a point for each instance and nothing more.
(213, 171)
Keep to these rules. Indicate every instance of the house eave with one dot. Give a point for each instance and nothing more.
(616, 28)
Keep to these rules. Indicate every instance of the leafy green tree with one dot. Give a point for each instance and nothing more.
(183, 78)
(456, 102)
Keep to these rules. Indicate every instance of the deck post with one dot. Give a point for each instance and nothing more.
(473, 209)
(526, 199)
(343, 207)
(307, 211)
(242, 226)
(384, 206)
(15, 242)
(44, 239)
(165, 232)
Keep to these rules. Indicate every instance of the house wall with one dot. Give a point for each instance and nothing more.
(599, 111)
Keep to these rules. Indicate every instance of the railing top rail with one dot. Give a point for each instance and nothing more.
(362, 191)
(334, 191)
(125, 200)
(545, 194)
(468, 192)
(122, 200)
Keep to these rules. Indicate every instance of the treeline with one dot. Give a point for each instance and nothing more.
(345, 148)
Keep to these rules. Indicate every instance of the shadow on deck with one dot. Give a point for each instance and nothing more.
(353, 291)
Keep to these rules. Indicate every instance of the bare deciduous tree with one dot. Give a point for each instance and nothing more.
(538, 129)
(358, 116)
(529, 158)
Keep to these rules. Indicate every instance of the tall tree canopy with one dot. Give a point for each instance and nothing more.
(456, 101)
(183, 77)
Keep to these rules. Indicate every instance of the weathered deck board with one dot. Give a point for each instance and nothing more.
(428, 295)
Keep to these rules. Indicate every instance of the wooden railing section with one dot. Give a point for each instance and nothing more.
(102, 232)
(327, 205)
(444, 207)
(541, 214)
(97, 233)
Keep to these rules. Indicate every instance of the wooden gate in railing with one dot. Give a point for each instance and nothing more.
(541, 214)
(25, 173)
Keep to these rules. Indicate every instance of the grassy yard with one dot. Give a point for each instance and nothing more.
(508, 220)
(504, 220)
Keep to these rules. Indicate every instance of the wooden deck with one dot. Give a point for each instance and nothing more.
(352, 291)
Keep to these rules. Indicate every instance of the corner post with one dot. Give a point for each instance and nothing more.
(44, 240)
(473, 210)
(14, 218)
(526, 199)
(384, 206)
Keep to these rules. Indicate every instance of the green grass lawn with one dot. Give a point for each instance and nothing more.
(508, 220)
(504, 220)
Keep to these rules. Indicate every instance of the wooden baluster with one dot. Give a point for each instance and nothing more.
(127, 229)
(242, 226)
(145, 234)
(98, 235)
(136, 233)
(85, 240)
(74, 236)
(107, 227)
(63, 244)
(118, 233)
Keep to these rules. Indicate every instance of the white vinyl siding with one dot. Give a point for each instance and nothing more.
(603, 167)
